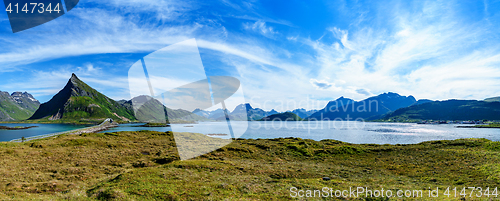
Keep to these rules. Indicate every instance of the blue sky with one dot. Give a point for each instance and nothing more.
(308, 52)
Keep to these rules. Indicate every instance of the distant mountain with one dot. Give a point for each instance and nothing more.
(152, 110)
(247, 112)
(369, 109)
(218, 114)
(493, 99)
(448, 110)
(303, 113)
(287, 116)
(17, 106)
(79, 101)
(242, 112)
(201, 112)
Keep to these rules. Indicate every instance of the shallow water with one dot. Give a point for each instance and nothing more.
(41, 129)
(352, 132)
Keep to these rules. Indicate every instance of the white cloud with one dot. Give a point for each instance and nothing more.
(429, 52)
(324, 85)
(292, 38)
(167, 10)
(432, 55)
(98, 31)
(54, 80)
(261, 27)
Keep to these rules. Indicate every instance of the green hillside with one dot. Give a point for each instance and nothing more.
(493, 99)
(78, 101)
(287, 116)
(18, 106)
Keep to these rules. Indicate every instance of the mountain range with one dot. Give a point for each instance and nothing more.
(77, 101)
(448, 110)
(17, 106)
(368, 109)
(154, 111)
(242, 112)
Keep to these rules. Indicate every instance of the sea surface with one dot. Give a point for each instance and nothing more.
(352, 132)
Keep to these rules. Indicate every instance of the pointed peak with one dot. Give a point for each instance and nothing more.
(73, 76)
(342, 98)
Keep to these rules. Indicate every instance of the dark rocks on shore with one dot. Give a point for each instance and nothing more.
(16, 128)
(155, 125)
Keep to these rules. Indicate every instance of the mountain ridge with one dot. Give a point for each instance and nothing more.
(368, 109)
(447, 110)
(17, 106)
(77, 101)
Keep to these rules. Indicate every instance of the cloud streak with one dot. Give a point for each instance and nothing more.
(427, 48)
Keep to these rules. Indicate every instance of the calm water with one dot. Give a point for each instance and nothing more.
(42, 129)
(368, 132)
(353, 132)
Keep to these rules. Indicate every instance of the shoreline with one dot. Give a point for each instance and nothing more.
(16, 128)
(105, 125)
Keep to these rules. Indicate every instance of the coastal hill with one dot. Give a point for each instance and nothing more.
(77, 101)
(154, 111)
(303, 113)
(448, 110)
(17, 106)
(286, 116)
(369, 109)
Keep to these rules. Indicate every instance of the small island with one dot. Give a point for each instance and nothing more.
(492, 125)
(155, 125)
(16, 128)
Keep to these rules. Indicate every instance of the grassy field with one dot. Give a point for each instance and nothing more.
(492, 125)
(144, 166)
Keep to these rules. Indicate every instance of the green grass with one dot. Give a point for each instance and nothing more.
(14, 111)
(492, 125)
(155, 125)
(144, 166)
(87, 108)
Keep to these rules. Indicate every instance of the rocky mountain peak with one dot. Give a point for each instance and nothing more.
(19, 97)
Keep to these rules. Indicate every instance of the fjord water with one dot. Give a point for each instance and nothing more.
(41, 129)
(352, 132)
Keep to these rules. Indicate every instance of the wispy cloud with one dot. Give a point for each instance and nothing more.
(54, 80)
(98, 31)
(427, 49)
(430, 54)
(261, 28)
(324, 85)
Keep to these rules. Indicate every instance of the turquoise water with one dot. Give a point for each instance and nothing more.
(352, 132)
(42, 129)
